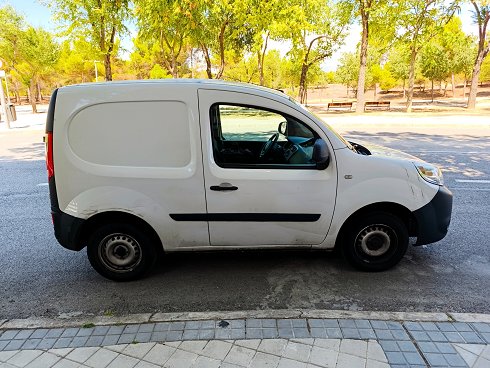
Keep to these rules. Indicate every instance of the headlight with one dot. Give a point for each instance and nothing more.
(429, 173)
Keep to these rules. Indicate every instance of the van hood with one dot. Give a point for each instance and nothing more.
(377, 150)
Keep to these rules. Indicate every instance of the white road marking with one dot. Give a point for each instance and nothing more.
(474, 181)
(43, 184)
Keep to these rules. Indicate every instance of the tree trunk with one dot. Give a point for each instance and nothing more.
(39, 93)
(464, 88)
(261, 59)
(108, 68)
(432, 91)
(205, 51)
(411, 79)
(32, 96)
(404, 93)
(474, 79)
(302, 84)
(452, 84)
(361, 81)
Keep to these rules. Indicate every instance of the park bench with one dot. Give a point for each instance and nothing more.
(339, 105)
(377, 105)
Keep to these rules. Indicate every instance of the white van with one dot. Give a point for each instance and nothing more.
(182, 165)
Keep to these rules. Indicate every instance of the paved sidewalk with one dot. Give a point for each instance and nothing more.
(296, 342)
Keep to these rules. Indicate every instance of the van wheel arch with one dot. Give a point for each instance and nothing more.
(115, 217)
(403, 213)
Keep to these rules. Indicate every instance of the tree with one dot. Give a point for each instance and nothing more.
(399, 63)
(347, 71)
(99, 21)
(435, 64)
(317, 28)
(418, 22)
(482, 17)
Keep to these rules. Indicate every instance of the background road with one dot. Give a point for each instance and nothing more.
(40, 278)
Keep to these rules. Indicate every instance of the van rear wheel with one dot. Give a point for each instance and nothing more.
(121, 252)
(375, 242)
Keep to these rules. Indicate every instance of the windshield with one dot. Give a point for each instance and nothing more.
(303, 107)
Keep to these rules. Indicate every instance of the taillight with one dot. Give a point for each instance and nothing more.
(49, 154)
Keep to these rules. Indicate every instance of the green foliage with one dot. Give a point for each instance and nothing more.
(435, 64)
(347, 72)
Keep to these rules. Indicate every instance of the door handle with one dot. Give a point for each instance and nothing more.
(223, 187)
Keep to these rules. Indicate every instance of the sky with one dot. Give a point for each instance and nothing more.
(40, 16)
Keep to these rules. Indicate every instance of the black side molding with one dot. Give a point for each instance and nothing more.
(50, 116)
(246, 217)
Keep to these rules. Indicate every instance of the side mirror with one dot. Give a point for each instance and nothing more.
(321, 154)
(283, 128)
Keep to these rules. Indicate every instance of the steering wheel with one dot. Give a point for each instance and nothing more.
(266, 148)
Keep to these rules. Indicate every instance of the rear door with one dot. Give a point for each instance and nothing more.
(279, 198)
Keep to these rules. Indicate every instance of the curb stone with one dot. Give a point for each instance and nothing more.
(34, 322)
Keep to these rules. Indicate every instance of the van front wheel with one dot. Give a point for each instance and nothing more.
(121, 252)
(375, 242)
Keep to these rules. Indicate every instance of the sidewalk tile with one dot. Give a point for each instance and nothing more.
(388, 345)
(62, 342)
(31, 344)
(481, 327)
(462, 327)
(138, 350)
(446, 327)
(206, 334)
(127, 338)
(436, 359)
(46, 360)
(350, 333)
(116, 348)
(110, 340)
(115, 330)
(81, 355)
(395, 357)
(23, 334)
(46, 343)
(251, 344)
(159, 354)
(334, 333)
(131, 329)
(420, 336)
(332, 344)
(174, 335)
(193, 346)
(455, 360)
(158, 336)
(240, 356)
(39, 333)
(354, 347)
(9, 334)
(205, 362)
(331, 323)
(177, 326)
(217, 349)
(319, 332)
(94, 341)
(101, 358)
(253, 323)
(238, 334)
(413, 358)
(181, 359)
(275, 347)
(14, 345)
(254, 333)
(350, 361)
(376, 364)
(79, 341)
(262, 360)
(429, 326)
(299, 323)
(123, 361)
(64, 363)
(6, 355)
(84, 331)
(24, 357)
(413, 326)
(286, 333)
(100, 330)
(323, 357)
(297, 351)
(367, 333)
(61, 352)
(471, 338)
(161, 327)
(70, 332)
(453, 337)
(147, 327)
(381, 325)
(316, 323)
(347, 323)
(143, 364)
(3, 344)
(436, 336)
(192, 325)
(363, 323)
(300, 332)
(143, 337)
(482, 363)
(191, 335)
(288, 363)
(375, 352)
(407, 346)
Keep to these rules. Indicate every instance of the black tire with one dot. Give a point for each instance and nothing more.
(121, 252)
(375, 242)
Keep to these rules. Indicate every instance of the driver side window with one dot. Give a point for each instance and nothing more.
(250, 137)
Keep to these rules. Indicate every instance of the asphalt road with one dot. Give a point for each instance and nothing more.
(40, 278)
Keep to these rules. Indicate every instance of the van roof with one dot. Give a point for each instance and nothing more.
(195, 82)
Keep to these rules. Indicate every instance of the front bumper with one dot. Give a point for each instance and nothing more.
(433, 219)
